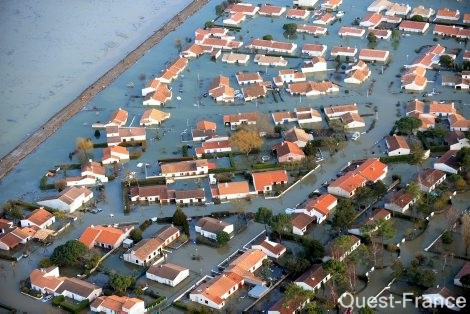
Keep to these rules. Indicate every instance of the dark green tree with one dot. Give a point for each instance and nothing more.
(407, 125)
(446, 61)
(223, 237)
(417, 18)
(372, 38)
(344, 214)
(69, 254)
(268, 37)
(136, 235)
(180, 219)
(120, 283)
(290, 28)
(264, 215)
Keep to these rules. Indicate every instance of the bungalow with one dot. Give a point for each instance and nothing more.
(270, 248)
(271, 10)
(441, 109)
(440, 297)
(289, 76)
(300, 223)
(48, 281)
(372, 169)
(231, 190)
(153, 117)
(466, 18)
(156, 94)
(297, 136)
(374, 55)
(304, 3)
(312, 30)
(447, 14)
(68, 200)
(214, 145)
(172, 72)
(427, 121)
(167, 235)
(195, 196)
(144, 252)
(314, 50)
(167, 274)
(465, 270)
(246, 264)
(313, 278)
(414, 106)
(184, 168)
(347, 185)
(220, 89)
(316, 64)
(248, 78)
(234, 19)
(297, 14)
(107, 237)
(379, 6)
(283, 117)
(263, 60)
(209, 227)
(351, 31)
(398, 9)
(114, 154)
(343, 51)
(116, 304)
(265, 181)
(310, 88)
(422, 11)
(202, 135)
(352, 120)
(399, 201)
(371, 20)
(245, 8)
(288, 152)
(342, 247)
(254, 91)
(458, 122)
(319, 208)
(413, 26)
(225, 42)
(195, 51)
(358, 73)
(397, 145)
(214, 292)
(448, 162)
(333, 112)
(205, 125)
(307, 115)
(429, 179)
(331, 4)
(240, 119)
(232, 58)
(39, 218)
(288, 306)
(381, 33)
(456, 140)
(429, 58)
(116, 136)
(13, 236)
(118, 118)
(451, 31)
(91, 174)
(272, 46)
(151, 193)
(325, 19)
(414, 79)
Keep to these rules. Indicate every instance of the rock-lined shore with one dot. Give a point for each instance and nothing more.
(25, 148)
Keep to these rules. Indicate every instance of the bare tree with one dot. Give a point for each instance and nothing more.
(60, 185)
(84, 146)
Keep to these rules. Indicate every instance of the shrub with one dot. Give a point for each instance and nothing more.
(57, 300)
(447, 237)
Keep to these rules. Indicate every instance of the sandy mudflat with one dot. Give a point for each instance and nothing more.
(51, 50)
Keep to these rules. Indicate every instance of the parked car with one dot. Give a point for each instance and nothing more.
(47, 298)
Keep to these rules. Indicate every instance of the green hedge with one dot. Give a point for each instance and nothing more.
(156, 302)
(162, 220)
(100, 145)
(180, 305)
(69, 166)
(266, 166)
(74, 308)
(400, 158)
(175, 159)
(221, 170)
(203, 240)
(43, 185)
(439, 149)
(220, 214)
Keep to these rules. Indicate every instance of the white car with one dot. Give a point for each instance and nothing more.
(47, 298)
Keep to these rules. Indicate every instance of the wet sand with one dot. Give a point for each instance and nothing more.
(8, 162)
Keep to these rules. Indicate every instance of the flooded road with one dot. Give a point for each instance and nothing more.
(23, 181)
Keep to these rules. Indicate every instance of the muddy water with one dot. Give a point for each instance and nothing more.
(23, 181)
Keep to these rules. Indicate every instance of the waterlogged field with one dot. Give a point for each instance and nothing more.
(23, 181)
